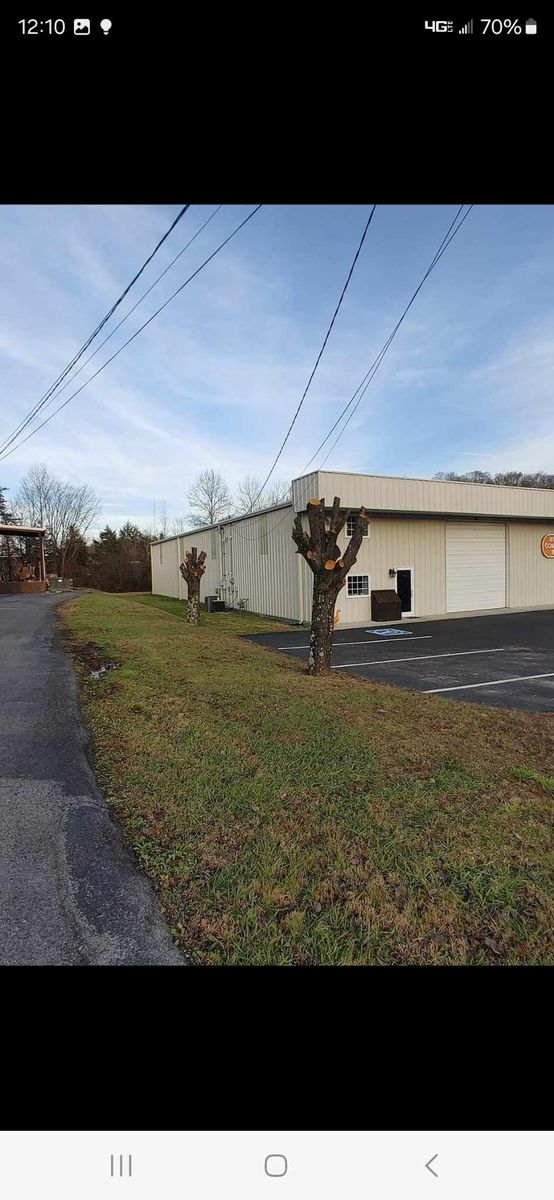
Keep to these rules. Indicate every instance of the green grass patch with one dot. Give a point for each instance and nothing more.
(525, 774)
(289, 820)
(233, 622)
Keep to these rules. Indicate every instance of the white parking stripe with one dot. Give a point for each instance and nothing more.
(463, 687)
(421, 637)
(375, 662)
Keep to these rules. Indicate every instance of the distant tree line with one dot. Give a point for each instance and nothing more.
(537, 479)
(115, 562)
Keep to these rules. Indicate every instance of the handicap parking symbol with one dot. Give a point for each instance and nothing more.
(390, 632)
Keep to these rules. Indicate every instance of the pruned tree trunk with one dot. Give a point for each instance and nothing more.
(193, 602)
(329, 569)
(321, 636)
(192, 570)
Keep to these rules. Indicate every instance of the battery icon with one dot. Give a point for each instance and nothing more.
(530, 26)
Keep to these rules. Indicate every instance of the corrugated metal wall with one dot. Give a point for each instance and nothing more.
(425, 495)
(392, 542)
(259, 554)
(166, 576)
(530, 575)
(264, 563)
(399, 543)
(165, 568)
(304, 489)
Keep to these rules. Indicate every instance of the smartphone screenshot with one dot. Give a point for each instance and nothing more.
(276, 532)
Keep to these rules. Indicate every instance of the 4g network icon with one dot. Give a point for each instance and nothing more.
(440, 26)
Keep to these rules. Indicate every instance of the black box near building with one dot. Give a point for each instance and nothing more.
(386, 605)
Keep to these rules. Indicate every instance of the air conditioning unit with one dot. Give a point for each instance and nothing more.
(213, 604)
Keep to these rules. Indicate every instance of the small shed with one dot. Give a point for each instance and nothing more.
(22, 564)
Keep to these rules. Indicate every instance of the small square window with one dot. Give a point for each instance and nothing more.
(358, 585)
(351, 525)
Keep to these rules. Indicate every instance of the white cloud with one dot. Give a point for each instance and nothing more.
(215, 379)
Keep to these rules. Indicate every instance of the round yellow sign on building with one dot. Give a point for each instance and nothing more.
(547, 545)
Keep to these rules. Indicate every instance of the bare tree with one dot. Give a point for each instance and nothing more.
(249, 499)
(179, 525)
(329, 568)
(65, 510)
(210, 498)
(247, 493)
(192, 570)
(277, 493)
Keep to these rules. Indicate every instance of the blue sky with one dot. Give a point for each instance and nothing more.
(215, 379)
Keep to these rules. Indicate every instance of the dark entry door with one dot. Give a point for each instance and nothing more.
(404, 589)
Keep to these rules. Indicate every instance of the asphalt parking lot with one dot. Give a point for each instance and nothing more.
(504, 660)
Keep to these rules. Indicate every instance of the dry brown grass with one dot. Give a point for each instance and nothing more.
(291, 820)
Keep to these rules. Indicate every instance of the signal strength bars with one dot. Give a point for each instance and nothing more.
(467, 28)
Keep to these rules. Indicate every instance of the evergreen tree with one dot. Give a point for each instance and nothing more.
(6, 516)
(120, 562)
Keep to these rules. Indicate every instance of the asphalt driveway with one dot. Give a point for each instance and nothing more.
(505, 660)
(71, 890)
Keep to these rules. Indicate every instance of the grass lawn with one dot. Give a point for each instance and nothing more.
(290, 820)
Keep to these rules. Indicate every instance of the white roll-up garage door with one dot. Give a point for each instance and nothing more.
(475, 566)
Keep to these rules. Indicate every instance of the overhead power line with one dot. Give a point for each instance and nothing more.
(317, 361)
(58, 391)
(451, 233)
(23, 424)
(139, 330)
(448, 237)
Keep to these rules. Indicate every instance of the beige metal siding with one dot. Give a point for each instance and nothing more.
(424, 495)
(530, 575)
(262, 569)
(475, 566)
(165, 574)
(393, 542)
(304, 489)
(281, 583)
(269, 580)
(418, 544)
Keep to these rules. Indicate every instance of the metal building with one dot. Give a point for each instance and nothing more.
(445, 547)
